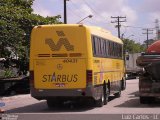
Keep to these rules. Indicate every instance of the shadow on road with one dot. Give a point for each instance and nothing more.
(134, 102)
(134, 94)
(43, 108)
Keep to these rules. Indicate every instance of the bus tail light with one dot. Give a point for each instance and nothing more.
(31, 78)
(89, 77)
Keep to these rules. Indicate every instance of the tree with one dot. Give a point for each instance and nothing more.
(16, 23)
(132, 47)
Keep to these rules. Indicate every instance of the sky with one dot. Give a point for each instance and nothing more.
(140, 14)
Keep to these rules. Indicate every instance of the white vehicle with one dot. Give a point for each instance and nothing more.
(131, 68)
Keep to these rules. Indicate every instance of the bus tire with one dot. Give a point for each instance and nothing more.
(104, 97)
(99, 102)
(123, 84)
(106, 94)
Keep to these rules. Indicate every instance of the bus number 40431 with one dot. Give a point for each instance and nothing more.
(70, 60)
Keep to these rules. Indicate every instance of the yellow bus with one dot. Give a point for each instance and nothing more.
(75, 62)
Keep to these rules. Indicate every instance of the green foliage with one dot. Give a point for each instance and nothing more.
(16, 23)
(132, 47)
(8, 73)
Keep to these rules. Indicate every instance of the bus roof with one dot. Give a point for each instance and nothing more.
(98, 31)
(104, 34)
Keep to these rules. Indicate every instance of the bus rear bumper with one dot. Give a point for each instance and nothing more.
(49, 93)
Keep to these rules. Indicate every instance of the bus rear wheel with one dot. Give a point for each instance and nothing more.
(100, 102)
(104, 97)
(123, 84)
(106, 94)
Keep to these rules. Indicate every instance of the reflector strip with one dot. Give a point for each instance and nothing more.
(43, 55)
(60, 55)
(75, 55)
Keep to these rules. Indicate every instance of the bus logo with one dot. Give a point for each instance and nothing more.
(61, 42)
(59, 67)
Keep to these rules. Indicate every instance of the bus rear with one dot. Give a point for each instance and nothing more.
(59, 61)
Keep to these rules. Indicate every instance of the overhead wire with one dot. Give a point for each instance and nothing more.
(76, 7)
(94, 11)
(72, 10)
(136, 27)
(97, 14)
(110, 24)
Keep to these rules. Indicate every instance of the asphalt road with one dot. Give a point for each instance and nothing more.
(126, 107)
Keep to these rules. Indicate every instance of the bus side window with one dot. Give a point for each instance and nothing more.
(116, 50)
(103, 47)
(111, 50)
(121, 50)
(97, 46)
(106, 48)
(93, 45)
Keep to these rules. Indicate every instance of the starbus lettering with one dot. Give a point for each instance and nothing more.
(60, 78)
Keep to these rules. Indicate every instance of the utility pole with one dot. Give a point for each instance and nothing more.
(118, 21)
(148, 31)
(65, 11)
